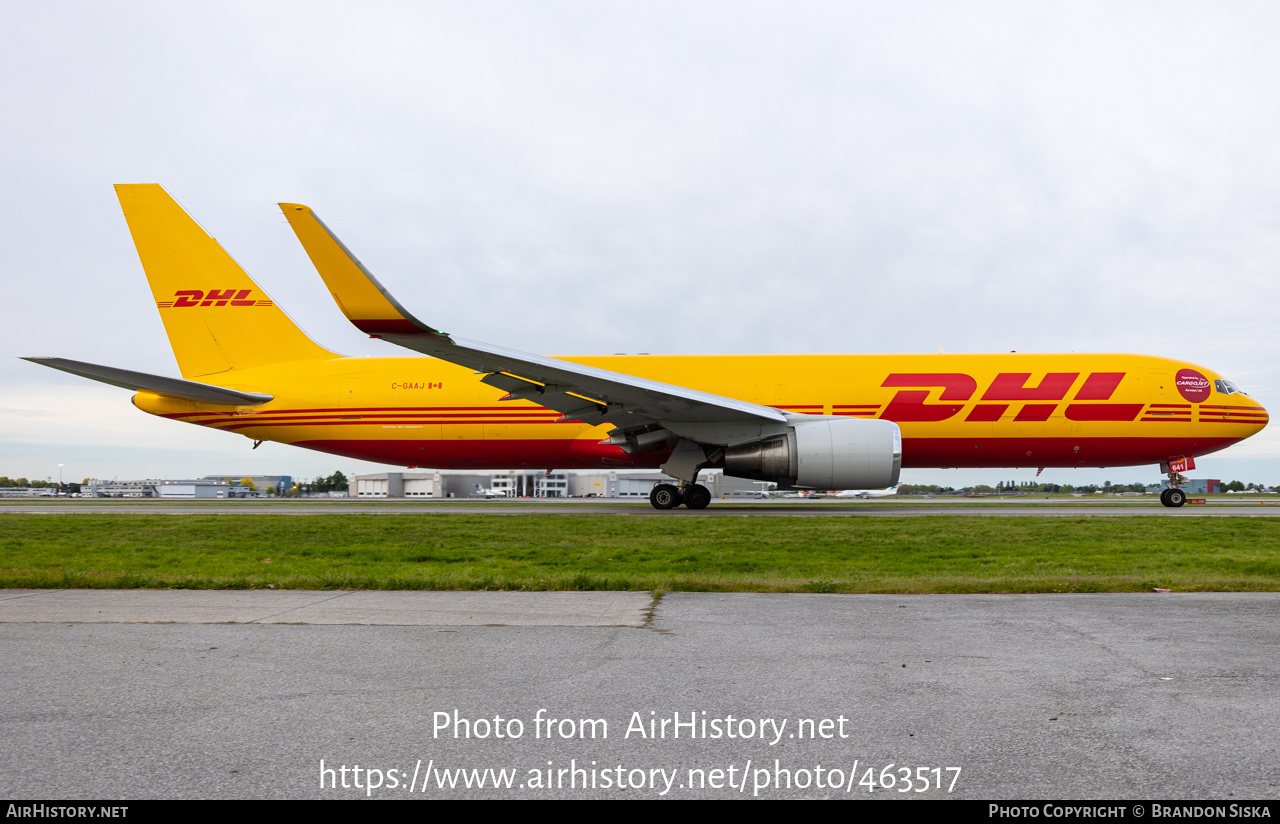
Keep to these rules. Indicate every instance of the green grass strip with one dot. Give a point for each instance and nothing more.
(942, 554)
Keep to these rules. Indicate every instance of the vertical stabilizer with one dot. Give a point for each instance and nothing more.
(216, 317)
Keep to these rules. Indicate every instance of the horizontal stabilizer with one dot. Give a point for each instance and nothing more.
(142, 382)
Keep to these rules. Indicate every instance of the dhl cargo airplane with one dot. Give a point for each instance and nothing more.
(802, 421)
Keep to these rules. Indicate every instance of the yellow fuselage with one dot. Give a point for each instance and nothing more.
(1004, 410)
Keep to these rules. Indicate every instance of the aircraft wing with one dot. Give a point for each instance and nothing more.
(580, 392)
(160, 385)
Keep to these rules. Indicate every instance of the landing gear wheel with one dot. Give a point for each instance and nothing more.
(1176, 497)
(697, 497)
(664, 496)
(1164, 497)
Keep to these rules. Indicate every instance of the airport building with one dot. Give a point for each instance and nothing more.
(399, 485)
(427, 485)
(204, 488)
(640, 484)
(411, 485)
(1194, 486)
(535, 484)
(157, 488)
(28, 492)
(210, 486)
(257, 484)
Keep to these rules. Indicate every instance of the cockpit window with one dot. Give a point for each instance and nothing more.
(1227, 387)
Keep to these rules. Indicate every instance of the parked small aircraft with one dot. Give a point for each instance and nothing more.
(868, 493)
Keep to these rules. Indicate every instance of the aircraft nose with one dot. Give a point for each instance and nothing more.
(1255, 414)
(1238, 409)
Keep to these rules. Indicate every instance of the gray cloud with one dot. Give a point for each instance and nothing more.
(712, 177)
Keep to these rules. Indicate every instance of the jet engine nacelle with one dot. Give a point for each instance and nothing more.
(823, 453)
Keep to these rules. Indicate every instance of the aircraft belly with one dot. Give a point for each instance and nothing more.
(529, 453)
(974, 453)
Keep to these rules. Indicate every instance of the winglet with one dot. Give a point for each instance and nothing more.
(365, 302)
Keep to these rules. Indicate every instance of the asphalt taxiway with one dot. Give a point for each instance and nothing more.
(244, 695)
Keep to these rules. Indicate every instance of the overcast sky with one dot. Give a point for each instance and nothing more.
(596, 177)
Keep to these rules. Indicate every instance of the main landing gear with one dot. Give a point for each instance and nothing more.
(693, 496)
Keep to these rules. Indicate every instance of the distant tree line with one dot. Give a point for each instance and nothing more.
(1236, 486)
(22, 483)
(337, 482)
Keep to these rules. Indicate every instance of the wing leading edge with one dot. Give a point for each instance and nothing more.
(634, 405)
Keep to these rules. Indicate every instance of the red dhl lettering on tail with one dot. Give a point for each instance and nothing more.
(214, 297)
(908, 405)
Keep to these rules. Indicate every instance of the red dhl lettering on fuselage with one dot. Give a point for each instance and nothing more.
(1040, 402)
(184, 298)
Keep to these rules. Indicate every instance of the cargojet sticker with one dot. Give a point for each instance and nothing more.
(1192, 385)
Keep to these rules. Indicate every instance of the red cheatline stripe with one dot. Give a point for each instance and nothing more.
(415, 423)
(854, 412)
(303, 420)
(856, 406)
(1165, 420)
(371, 420)
(343, 410)
(1244, 416)
(1170, 405)
(467, 415)
(346, 409)
(1209, 406)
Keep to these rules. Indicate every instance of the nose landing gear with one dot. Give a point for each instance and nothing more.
(1172, 496)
